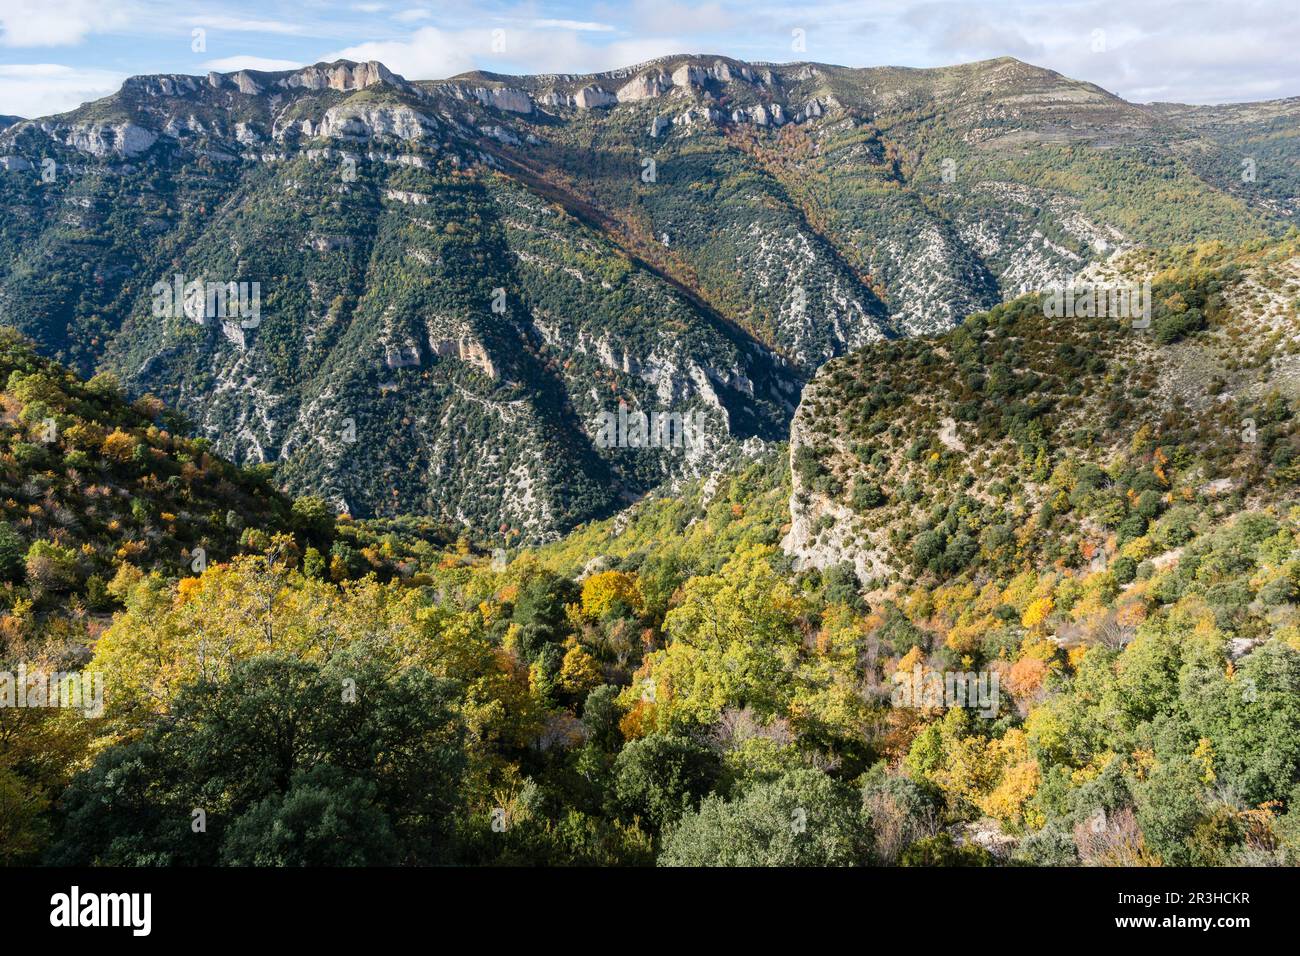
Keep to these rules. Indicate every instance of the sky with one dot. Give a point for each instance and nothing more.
(56, 54)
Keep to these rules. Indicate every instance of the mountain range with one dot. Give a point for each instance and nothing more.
(446, 284)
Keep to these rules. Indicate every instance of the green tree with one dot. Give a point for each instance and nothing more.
(802, 818)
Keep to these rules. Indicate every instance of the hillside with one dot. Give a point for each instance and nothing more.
(90, 481)
(457, 279)
(1021, 438)
(668, 686)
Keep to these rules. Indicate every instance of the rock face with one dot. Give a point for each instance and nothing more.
(644, 87)
(348, 121)
(104, 139)
(593, 97)
(823, 532)
(688, 75)
(344, 77)
(246, 84)
(504, 98)
(466, 350)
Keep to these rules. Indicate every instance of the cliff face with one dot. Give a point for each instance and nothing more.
(824, 532)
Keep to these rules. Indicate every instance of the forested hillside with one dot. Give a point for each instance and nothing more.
(670, 687)
(367, 569)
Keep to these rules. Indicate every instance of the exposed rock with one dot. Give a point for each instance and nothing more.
(687, 75)
(105, 139)
(163, 85)
(467, 350)
(1239, 647)
(591, 97)
(644, 87)
(806, 542)
(504, 98)
(500, 133)
(343, 77)
(408, 198)
(349, 121)
(246, 84)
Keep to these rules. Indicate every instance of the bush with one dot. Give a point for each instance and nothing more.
(1124, 569)
(12, 552)
(660, 777)
(800, 819)
(51, 567)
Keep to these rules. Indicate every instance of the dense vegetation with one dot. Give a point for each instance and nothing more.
(1100, 519)
(686, 698)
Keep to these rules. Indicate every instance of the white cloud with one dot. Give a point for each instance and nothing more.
(247, 25)
(28, 23)
(233, 64)
(42, 89)
(428, 53)
(1140, 49)
(433, 54)
(573, 25)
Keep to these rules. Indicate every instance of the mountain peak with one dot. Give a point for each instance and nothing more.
(340, 75)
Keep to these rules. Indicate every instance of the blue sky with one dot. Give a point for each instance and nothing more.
(55, 54)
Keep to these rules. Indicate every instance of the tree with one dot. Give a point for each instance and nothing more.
(313, 518)
(660, 777)
(579, 672)
(942, 850)
(277, 755)
(326, 818)
(50, 566)
(735, 642)
(611, 594)
(12, 552)
(803, 818)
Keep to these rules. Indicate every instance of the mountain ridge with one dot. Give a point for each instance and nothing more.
(703, 232)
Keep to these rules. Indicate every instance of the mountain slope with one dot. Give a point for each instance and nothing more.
(1019, 440)
(456, 280)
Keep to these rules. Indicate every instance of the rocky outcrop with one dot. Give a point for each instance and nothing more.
(504, 98)
(466, 350)
(104, 139)
(246, 84)
(170, 85)
(687, 75)
(824, 533)
(593, 97)
(644, 87)
(344, 77)
(348, 121)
